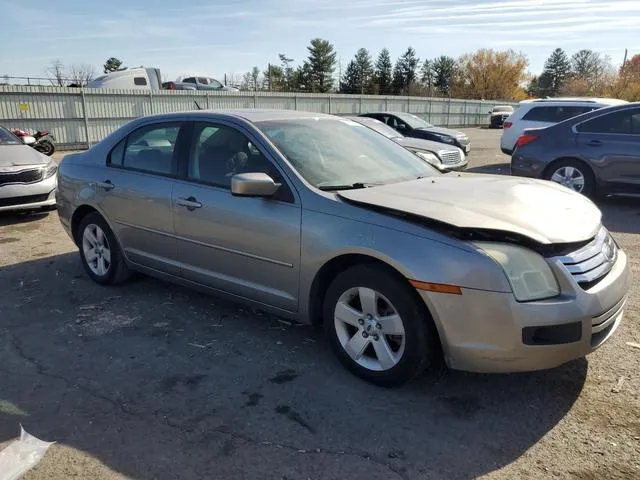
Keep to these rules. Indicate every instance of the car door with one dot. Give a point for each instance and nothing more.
(249, 247)
(611, 143)
(135, 194)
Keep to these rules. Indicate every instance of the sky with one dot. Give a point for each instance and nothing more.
(216, 37)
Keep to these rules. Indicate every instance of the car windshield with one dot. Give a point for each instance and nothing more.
(413, 120)
(379, 127)
(8, 138)
(334, 154)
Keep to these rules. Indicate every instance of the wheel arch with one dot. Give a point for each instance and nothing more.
(333, 267)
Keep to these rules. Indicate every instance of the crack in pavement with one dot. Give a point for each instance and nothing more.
(41, 370)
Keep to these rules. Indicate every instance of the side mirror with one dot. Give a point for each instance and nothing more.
(253, 185)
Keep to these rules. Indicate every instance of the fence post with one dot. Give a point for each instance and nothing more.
(386, 103)
(255, 99)
(151, 101)
(295, 101)
(329, 104)
(408, 104)
(430, 101)
(464, 118)
(207, 97)
(361, 98)
(86, 119)
(449, 112)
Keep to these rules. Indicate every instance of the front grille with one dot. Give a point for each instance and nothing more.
(31, 175)
(25, 200)
(591, 263)
(450, 157)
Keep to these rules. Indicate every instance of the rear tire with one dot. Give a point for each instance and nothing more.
(46, 147)
(574, 175)
(377, 326)
(100, 251)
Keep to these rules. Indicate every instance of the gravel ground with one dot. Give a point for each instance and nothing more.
(148, 380)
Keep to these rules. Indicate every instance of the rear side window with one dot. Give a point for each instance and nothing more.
(623, 122)
(149, 149)
(139, 80)
(555, 114)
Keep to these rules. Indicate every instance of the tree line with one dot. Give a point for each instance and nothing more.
(586, 73)
(485, 74)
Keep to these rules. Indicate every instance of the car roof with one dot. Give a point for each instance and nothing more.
(574, 100)
(249, 114)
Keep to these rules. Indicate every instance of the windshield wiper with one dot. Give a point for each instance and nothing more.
(352, 186)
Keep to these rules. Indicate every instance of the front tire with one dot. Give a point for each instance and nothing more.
(100, 251)
(377, 326)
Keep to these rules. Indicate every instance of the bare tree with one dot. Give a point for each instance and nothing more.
(56, 71)
(81, 74)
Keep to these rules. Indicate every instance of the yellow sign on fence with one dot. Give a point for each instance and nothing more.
(24, 107)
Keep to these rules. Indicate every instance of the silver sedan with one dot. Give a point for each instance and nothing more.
(27, 177)
(325, 221)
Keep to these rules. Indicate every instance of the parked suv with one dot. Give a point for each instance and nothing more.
(545, 112)
(597, 152)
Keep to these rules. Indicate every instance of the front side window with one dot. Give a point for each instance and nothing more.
(189, 80)
(336, 153)
(621, 122)
(149, 149)
(218, 152)
(139, 80)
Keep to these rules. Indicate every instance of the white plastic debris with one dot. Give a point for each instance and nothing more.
(21, 455)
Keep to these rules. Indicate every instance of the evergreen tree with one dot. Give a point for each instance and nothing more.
(382, 75)
(321, 63)
(443, 72)
(557, 69)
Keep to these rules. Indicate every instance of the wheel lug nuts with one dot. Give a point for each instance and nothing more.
(361, 321)
(376, 338)
(365, 334)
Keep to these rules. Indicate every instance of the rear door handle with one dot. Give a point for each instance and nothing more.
(190, 203)
(595, 143)
(106, 185)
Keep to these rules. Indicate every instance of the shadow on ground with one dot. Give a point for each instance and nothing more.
(159, 382)
(13, 218)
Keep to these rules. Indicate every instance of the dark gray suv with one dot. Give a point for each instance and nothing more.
(594, 153)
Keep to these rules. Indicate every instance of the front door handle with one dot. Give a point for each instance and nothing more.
(106, 185)
(595, 143)
(190, 203)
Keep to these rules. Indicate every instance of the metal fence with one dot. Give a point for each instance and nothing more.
(81, 117)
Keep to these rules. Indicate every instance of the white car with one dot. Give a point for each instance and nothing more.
(544, 112)
(28, 179)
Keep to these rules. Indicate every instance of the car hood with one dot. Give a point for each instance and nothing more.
(444, 131)
(421, 144)
(543, 211)
(12, 156)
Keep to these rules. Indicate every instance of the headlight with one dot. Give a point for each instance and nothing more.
(50, 169)
(445, 138)
(529, 274)
(428, 156)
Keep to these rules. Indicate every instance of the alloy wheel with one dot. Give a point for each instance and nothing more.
(369, 329)
(96, 250)
(570, 177)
